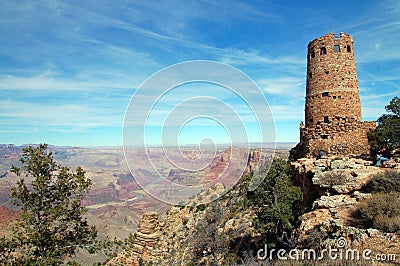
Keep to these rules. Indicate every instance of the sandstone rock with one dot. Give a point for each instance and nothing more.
(338, 182)
(136, 248)
(321, 163)
(346, 188)
(359, 195)
(303, 165)
(333, 201)
(344, 176)
(342, 164)
(314, 219)
(148, 223)
(229, 225)
(389, 164)
(147, 237)
(372, 232)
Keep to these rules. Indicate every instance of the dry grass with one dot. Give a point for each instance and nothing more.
(382, 211)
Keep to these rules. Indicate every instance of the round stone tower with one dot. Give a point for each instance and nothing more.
(333, 109)
(332, 86)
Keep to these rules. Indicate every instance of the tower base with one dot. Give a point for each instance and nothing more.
(340, 136)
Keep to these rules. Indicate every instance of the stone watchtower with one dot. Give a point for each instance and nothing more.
(333, 109)
(332, 86)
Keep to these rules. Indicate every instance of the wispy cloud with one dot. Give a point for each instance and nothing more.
(283, 86)
(51, 83)
(377, 33)
(67, 115)
(73, 66)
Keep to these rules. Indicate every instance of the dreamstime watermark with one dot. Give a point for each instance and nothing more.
(210, 104)
(339, 252)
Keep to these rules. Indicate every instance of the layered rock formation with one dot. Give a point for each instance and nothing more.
(148, 234)
(143, 247)
(331, 188)
(170, 240)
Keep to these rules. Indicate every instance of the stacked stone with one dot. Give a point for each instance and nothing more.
(144, 246)
(332, 85)
(341, 136)
(147, 234)
(333, 110)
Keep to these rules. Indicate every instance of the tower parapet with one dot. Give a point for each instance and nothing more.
(333, 120)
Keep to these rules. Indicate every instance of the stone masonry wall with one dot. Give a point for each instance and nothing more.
(332, 86)
(333, 120)
(341, 136)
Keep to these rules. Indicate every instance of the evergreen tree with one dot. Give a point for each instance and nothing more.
(387, 132)
(277, 204)
(51, 226)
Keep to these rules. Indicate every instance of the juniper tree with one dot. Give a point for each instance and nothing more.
(277, 203)
(52, 224)
(387, 132)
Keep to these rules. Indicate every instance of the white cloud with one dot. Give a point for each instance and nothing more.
(16, 113)
(289, 87)
(89, 56)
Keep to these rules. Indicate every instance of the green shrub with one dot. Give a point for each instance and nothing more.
(381, 211)
(201, 207)
(388, 181)
(333, 178)
(386, 224)
(315, 239)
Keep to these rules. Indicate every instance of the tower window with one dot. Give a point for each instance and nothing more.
(334, 97)
(310, 75)
(326, 119)
(312, 54)
(348, 48)
(336, 48)
(324, 136)
(340, 96)
(325, 94)
(322, 51)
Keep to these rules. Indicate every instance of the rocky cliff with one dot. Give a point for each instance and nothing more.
(332, 188)
(181, 232)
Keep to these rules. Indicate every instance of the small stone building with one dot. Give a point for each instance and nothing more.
(333, 110)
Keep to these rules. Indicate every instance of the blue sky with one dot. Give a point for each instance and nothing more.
(68, 69)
